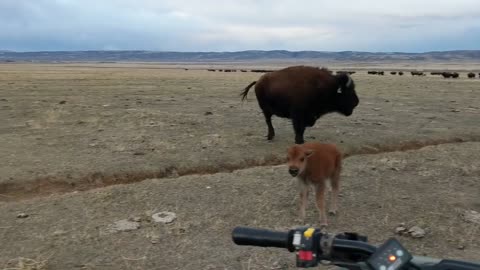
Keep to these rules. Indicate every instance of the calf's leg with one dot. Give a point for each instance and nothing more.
(303, 199)
(334, 196)
(320, 198)
(335, 183)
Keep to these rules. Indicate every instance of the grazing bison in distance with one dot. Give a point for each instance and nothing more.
(393, 72)
(446, 74)
(417, 73)
(343, 71)
(372, 72)
(400, 73)
(471, 75)
(303, 94)
(260, 70)
(450, 74)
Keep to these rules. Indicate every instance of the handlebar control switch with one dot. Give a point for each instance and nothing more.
(305, 248)
(390, 256)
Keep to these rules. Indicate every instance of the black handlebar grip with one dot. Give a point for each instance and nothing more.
(262, 238)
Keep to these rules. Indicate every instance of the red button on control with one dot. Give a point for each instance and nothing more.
(305, 255)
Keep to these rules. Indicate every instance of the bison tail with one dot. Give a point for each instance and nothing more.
(245, 91)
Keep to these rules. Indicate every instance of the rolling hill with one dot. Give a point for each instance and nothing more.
(251, 55)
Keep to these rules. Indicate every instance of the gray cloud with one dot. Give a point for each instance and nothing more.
(368, 25)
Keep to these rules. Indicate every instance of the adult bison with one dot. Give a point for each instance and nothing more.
(303, 94)
(447, 74)
(450, 74)
(471, 75)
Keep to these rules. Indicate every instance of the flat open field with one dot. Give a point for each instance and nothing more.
(83, 127)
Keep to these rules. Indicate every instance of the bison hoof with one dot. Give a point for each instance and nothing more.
(270, 137)
(332, 212)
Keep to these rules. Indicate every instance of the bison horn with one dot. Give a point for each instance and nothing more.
(349, 82)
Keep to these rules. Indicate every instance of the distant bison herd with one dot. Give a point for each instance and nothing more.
(444, 74)
(241, 70)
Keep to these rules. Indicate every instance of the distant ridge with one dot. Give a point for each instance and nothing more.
(251, 55)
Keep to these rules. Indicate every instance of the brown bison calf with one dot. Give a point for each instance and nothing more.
(313, 164)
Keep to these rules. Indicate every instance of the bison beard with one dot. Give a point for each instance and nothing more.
(303, 94)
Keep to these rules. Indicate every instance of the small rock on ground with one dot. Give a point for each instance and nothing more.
(164, 217)
(123, 225)
(472, 216)
(22, 215)
(416, 232)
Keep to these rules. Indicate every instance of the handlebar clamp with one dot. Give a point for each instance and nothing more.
(304, 240)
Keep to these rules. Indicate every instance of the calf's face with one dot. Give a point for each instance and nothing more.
(297, 159)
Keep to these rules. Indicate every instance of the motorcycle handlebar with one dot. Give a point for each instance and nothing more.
(262, 238)
(343, 248)
(267, 238)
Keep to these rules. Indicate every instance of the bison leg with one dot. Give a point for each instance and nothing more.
(299, 128)
(271, 131)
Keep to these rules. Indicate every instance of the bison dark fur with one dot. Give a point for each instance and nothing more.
(303, 94)
(446, 74)
(417, 73)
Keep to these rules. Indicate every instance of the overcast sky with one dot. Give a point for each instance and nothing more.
(228, 25)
